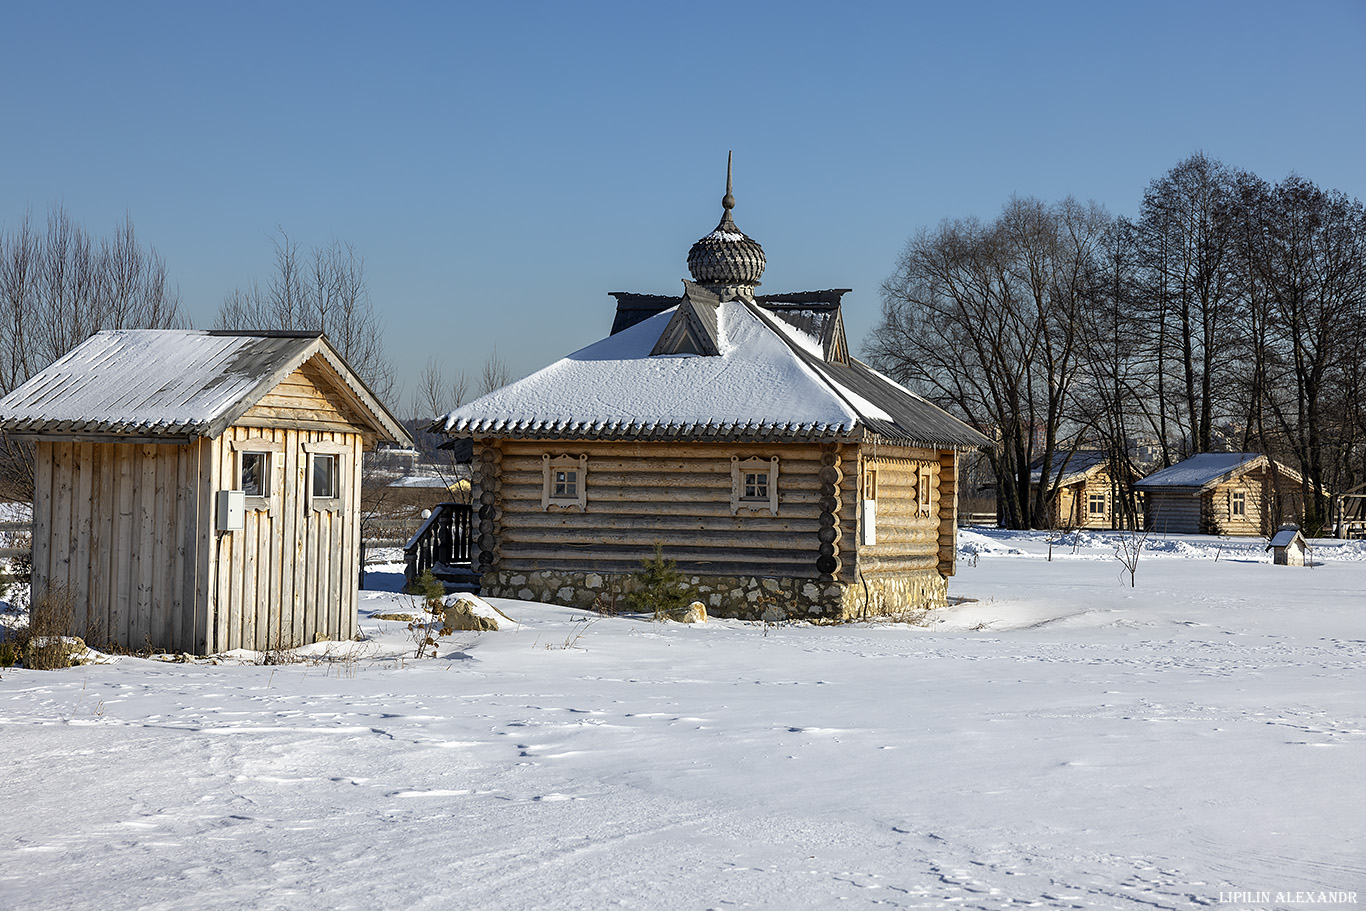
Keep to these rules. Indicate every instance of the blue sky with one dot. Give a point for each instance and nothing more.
(502, 167)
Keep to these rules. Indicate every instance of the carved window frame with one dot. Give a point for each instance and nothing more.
(565, 463)
(924, 490)
(753, 466)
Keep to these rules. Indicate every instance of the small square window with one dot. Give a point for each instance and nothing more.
(566, 484)
(753, 484)
(324, 485)
(254, 469)
(1095, 504)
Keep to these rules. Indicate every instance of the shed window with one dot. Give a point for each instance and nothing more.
(324, 485)
(1095, 504)
(1237, 503)
(254, 473)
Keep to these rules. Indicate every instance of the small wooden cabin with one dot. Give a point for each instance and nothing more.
(200, 491)
(1085, 496)
(1224, 493)
(786, 478)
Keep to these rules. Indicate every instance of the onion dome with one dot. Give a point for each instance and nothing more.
(727, 258)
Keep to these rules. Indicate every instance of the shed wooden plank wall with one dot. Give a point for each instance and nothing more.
(638, 493)
(907, 539)
(289, 577)
(115, 527)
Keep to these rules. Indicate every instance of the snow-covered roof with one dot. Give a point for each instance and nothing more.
(765, 382)
(172, 384)
(1285, 537)
(1070, 468)
(1205, 470)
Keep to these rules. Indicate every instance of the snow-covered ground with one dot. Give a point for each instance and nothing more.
(1063, 740)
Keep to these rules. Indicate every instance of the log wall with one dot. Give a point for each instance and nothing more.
(677, 494)
(908, 538)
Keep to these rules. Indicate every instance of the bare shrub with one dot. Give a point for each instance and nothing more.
(50, 619)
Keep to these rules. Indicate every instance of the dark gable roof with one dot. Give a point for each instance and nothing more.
(913, 420)
(1068, 468)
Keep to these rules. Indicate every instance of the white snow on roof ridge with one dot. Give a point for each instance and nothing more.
(757, 381)
(1199, 470)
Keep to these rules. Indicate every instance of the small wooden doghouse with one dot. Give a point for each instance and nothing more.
(200, 491)
(1225, 493)
(735, 431)
(1288, 548)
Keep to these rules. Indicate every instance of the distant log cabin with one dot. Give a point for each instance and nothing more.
(200, 491)
(786, 478)
(1086, 495)
(1223, 493)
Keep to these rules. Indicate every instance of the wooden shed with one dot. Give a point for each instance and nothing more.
(1226, 493)
(199, 491)
(785, 477)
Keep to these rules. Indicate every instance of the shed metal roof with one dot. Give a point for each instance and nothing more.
(172, 384)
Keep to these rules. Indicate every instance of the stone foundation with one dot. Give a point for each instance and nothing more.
(738, 597)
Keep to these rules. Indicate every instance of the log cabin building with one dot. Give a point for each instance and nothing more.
(1222, 493)
(200, 491)
(785, 477)
(1084, 491)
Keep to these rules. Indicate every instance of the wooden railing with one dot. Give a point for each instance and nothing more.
(443, 540)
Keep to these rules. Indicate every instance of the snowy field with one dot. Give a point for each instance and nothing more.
(1061, 741)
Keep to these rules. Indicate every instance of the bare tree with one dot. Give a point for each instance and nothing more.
(323, 289)
(986, 318)
(434, 394)
(494, 374)
(1310, 262)
(60, 286)
(1191, 289)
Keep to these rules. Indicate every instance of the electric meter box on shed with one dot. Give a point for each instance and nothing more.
(232, 510)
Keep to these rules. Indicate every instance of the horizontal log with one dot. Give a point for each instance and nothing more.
(619, 550)
(608, 477)
(526, 497)
(645, 536)
(871, 565)
(625, 564)
(673, 517)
